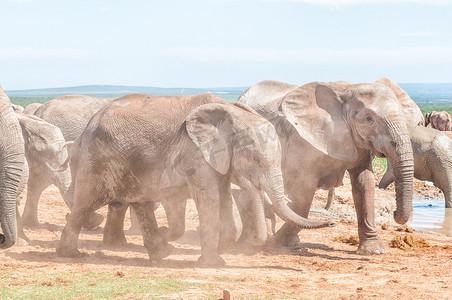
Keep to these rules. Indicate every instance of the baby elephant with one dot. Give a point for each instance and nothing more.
(432, 152)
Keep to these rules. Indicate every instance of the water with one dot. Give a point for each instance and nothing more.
(431, 215)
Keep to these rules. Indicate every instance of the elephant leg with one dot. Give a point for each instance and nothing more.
(86, 202)
(34, 191)
(252, 213)
(135, 225)
(207, 201)
(245, 210)
(155, 243)
(270, 215)
(114, 226)
(442, 181)
(301, 198)
(330, 199)
(231, 223)
(253, 217)
(387, 178)
(93, 220)
(448, 198)
(175, 214)
(441, 169)
(363, 191)
(20, 227)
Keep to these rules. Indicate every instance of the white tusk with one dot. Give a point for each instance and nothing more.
(287, 199)
(267, 198)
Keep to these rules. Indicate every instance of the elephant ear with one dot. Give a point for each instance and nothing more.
(210, 128)
(315, 111)
(42, 138)
(32, 141)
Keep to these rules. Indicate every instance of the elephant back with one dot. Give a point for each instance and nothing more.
(71, 113)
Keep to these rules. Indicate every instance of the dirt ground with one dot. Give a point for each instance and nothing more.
(325, 267)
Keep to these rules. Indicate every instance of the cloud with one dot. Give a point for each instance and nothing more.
(313, 55)
(338, 3)
(36, 53)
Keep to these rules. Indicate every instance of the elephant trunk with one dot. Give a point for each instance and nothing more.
(11, 166)
(400, 157)
(275, 196)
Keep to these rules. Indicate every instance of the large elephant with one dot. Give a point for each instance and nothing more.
(45, 151)
(140, 149)
(440, 120)
(11, 169)
(326, 129)
(31, 108)
(432, 151)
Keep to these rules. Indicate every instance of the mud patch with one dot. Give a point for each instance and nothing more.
(408, 241)
(352, 240)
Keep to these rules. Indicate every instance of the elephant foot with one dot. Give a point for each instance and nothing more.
(65, 251)
(114, 241)
(22, 242)
(287, 239)
(22, 236)
(159, 253)
(211, 260)
(373, 246)
(93, 220)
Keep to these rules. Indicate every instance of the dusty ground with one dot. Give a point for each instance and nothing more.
(324, 268)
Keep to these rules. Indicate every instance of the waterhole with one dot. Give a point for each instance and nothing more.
(431, 215)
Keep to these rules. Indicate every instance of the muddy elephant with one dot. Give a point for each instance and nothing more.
(440, 120)
(432, 151)
(11, 169)
(31, 108)
(328, 128)
(45, 151)
(140, 149)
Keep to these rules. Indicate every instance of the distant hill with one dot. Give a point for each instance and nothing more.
(118, 90)
(425, 92)
(420, 92)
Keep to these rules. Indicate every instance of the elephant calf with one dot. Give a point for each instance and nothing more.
(432, 151)
(45, 151)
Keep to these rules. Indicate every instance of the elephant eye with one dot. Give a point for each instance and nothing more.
(256, 159)
(369, 119)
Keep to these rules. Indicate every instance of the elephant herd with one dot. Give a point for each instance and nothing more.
(278, 143)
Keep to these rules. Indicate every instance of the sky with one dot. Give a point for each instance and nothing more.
(219, 43)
